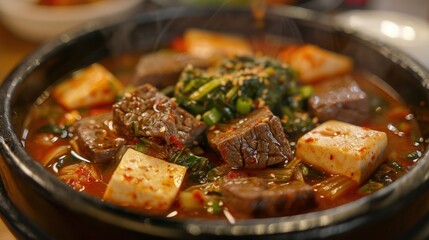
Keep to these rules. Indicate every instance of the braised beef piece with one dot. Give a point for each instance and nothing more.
(165, 66)
(255, 197)
(97, 139)
(149, 113)
(340, 99)
(255, 141)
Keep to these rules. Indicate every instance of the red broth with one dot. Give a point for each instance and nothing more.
(389, 115)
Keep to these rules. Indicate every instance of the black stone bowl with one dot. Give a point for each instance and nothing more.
(37, 205)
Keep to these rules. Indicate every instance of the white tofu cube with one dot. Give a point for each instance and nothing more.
(343, 148)
(144, 181)
(89, 87)
(314, 63)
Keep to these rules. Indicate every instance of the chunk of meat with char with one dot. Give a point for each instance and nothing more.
(97, 139)
(255, 141)
(149, 113)
(340, 99)
(255, 197)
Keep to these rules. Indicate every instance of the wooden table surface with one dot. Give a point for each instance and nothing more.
(12, 50)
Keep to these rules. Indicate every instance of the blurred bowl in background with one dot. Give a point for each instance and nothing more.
(406, 32)
(35, 22)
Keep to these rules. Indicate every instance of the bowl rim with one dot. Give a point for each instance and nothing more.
(334, 221)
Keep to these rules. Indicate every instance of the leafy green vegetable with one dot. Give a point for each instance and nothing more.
(218, 172)
(153, 148)
(234, 88)
(295, 117)
(197, 166)
(388, 172)
(296, 123)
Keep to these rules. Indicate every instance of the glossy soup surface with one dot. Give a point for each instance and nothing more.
(49, 140)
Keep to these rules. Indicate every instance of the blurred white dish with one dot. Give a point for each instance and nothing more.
(37, 23)
(408, 33)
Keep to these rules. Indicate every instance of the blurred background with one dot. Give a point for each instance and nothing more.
(27, 24)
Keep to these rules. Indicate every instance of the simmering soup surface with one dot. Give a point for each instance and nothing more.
(220, 126)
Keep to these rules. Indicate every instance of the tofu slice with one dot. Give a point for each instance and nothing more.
(314, 63)
(343, 148)
(144, 181)
(89, 87)
(205, 44)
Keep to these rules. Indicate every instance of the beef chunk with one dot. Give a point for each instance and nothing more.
(255, 141)
(165, 66)
(340, 99)
(254, 197)
(96, 138)
(149, 113)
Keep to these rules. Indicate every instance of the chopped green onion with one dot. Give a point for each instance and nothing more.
(244, 105)
(232, 92)
(306, 91)
(205, 89)
(212, 117)
(190, 85)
